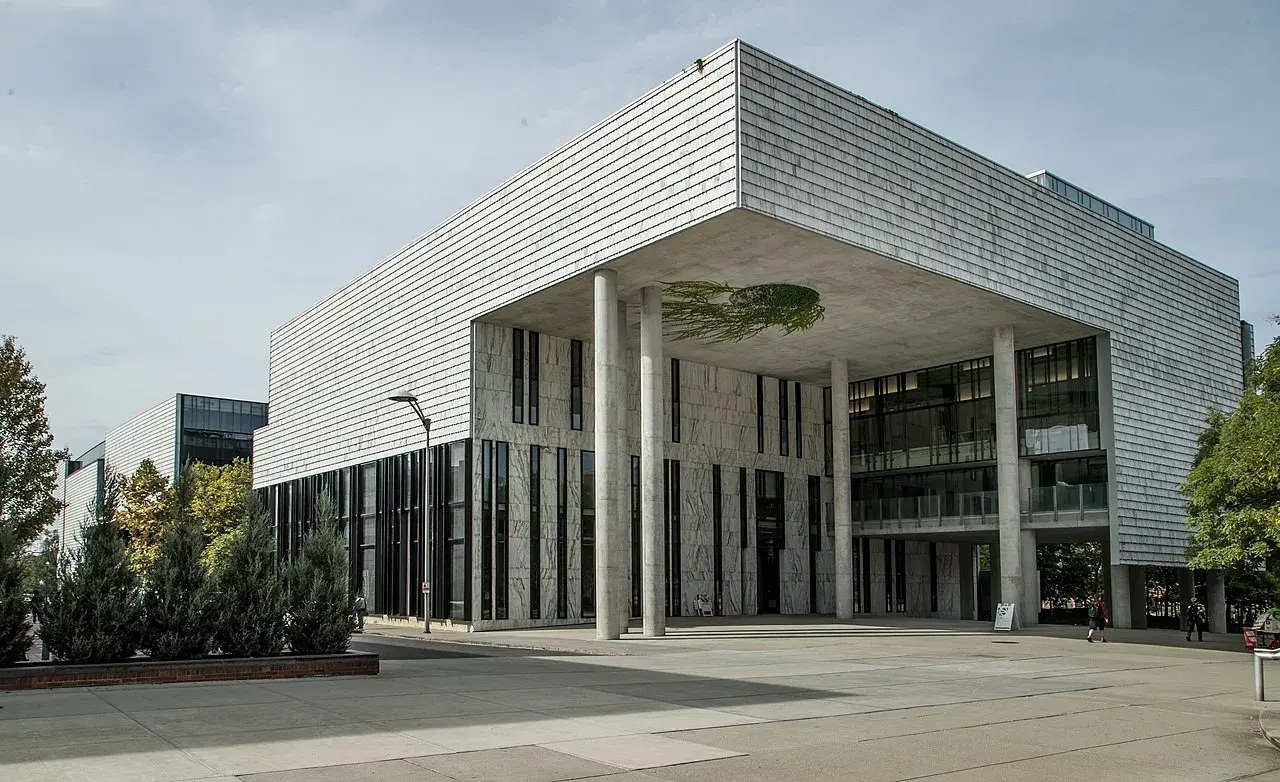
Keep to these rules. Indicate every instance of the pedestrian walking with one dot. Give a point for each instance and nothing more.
(1197, 618)
(1098, 619)
(362, 608)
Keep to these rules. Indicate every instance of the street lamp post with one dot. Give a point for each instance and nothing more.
(407, 397)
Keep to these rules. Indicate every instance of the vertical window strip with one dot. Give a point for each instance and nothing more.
(933, 577)
(517, 376)
(587, 474)
(900, 571)
(888, 575)
(535, 528)
(676, 564)
(575, 384)
(784, 419)
(486, 529)
(535, 357)
(675, 400)
(562, 533)
(717, 535)
(742, 504)
(759, 413)
(866, 575)
(828, 435)
(858, 566)
(501, 527)
(636, 561)
(815, 537)
(799, 426)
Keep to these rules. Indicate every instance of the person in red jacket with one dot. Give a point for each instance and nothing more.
(1099, 618)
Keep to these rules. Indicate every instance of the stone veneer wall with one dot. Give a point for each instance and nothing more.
(718, 426)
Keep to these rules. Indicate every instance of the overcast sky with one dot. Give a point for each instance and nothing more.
(179, 178)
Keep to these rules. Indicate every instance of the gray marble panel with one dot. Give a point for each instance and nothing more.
(518, 540)
(696, 558)
(949, 580)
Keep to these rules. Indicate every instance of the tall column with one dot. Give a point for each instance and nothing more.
(1121, 598)
(1216, 601)
(622, 551)
(651, 447)
(968, 584)
(607, 416)
(1030, 605)
(1186, 594)
(841, 475)
(1005, 377)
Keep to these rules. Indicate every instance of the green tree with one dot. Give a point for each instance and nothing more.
(94, 613)
(15, 625)
(1233, 489)
(146, 504)
(40, 567)
(218, 504)
(321, 611)
(28, 461)
(1069, 572)
(178, 602)
(251, 592)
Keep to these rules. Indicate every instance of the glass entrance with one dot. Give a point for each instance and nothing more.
(770, 538)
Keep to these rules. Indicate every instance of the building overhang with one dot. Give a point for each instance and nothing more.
(883, 314)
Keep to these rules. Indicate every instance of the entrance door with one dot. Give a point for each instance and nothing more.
(770, 539)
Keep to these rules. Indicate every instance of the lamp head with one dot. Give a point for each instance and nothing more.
(403, 396)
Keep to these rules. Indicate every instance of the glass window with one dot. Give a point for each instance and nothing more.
(575, 384)
(534, 359)
(588, 533)
(1058, 398)
(517, 376)
(675, 400)
(784, 419)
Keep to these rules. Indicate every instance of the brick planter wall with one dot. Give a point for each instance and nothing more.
(35, 676)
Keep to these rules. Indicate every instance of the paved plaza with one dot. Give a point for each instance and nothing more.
(734, 700)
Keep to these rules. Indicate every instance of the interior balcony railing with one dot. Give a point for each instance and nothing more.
(1054, 505)
(943, 447)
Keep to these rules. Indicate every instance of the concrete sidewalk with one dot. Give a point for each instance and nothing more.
(763, 700)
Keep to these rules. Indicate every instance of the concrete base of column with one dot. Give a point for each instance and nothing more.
(968, 582)
(1030, 605)
(1186, 594)
(1216, 601)
(1121, 597)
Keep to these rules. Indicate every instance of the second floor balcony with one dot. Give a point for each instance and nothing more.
(1083, 505)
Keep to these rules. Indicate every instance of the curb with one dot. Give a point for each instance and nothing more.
(1272, 738)
(499, 645)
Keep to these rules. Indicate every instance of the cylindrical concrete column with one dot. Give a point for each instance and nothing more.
(607, 414)
(651, 448)
(622, 551)
(1216, 601)
(1005, 378)
(841, 475)
(1186, 594)
(1030, 605)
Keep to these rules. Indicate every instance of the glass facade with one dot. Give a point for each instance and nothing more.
(588, 534)
(930, 417)
(915, 495)
(1058, 398)
(217, 431)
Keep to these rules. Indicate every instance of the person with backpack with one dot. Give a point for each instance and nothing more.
(362, 608)
(1197, 618)
(1098, 619)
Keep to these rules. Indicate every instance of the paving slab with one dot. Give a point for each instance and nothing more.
(382, 771)
(529, 764)
(296, 748)
(637, 752)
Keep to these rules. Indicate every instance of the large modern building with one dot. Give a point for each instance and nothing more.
(978, 357)
(183, 428)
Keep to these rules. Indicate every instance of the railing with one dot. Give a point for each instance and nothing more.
(1069, 499)
(980, 507)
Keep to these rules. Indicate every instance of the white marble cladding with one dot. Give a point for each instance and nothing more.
(150, 434)
(718, 427)
(918, 577)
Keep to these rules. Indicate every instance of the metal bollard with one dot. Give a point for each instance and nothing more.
(1259, 657)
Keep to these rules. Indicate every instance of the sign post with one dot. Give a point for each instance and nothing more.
(1004, 616)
